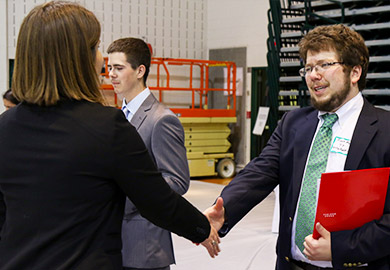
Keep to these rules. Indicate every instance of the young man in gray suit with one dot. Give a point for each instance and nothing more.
(146, 246)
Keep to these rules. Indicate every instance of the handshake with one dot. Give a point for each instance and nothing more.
(216, 216)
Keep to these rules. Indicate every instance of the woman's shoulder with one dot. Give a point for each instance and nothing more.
(94, 107)
(91, 111)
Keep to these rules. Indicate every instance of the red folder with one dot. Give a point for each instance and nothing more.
(347, 200)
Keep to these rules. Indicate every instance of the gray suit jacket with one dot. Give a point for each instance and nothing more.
(144, 244)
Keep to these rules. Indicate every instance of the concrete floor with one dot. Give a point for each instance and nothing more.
(249, 246)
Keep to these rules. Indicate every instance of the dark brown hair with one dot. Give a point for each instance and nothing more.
(10, 97)
(136, 50)
(56, 54)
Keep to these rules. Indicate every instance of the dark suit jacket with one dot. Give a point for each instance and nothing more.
(282, 162)
(64, 173)
(144, 244)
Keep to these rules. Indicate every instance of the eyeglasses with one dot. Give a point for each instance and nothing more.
(320, 68)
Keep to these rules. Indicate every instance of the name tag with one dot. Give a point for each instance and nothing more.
(340, 146)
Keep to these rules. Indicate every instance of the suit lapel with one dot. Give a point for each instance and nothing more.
(142, 112)
(302, 142)
(364, 131)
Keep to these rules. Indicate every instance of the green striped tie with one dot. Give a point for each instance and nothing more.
(315, 167)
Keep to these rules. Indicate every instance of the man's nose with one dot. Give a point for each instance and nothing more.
(315, 74)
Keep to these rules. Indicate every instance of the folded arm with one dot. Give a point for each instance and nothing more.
(365, 244)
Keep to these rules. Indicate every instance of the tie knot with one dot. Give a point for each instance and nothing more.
(329, 120)
(126, 111)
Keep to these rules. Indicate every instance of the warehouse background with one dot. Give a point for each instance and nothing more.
(226, 30)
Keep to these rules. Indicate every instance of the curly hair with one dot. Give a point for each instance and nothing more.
(347, 43)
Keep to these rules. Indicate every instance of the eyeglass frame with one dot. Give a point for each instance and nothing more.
(319, 67)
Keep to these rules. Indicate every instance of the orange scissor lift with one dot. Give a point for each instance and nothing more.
(206, 129)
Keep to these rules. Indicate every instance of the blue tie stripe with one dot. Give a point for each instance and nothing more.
(126, 112)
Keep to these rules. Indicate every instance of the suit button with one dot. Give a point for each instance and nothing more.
(290, 218)
(359, 263)
(354, 264)
(350, 264)
(345, 264)
(287, 259)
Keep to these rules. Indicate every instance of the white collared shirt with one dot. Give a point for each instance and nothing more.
(135, 103)
(342, 132)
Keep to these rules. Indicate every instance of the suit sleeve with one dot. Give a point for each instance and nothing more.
(136, 174)
(169, 152)
(2, 211)
(253, 183)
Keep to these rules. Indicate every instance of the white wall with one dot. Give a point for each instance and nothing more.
(243, 23)
(233, 24)
(174, 28)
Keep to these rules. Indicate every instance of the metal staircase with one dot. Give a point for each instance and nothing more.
(289, 20)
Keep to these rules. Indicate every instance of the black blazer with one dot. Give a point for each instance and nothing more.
(64, 173)
(282, 162)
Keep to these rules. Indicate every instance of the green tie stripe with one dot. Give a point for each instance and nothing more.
(316, 165)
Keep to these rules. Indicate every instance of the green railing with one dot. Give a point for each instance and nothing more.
(273, 69)
(310, 15)
(274, 44)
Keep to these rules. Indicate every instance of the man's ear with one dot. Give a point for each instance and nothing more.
(141, 71)
(356, 72)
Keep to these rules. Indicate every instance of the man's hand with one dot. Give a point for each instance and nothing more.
(216, 214)
(212, 243)
(318, 250)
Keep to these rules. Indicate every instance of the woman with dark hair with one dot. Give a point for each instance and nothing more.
(9, 100)
(70, 160)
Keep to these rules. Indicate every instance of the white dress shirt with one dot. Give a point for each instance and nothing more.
(132, 107)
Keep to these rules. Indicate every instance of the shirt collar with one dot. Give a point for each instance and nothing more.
(345, 111)
(136, 102)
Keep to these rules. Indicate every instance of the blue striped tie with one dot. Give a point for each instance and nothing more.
(126, 112)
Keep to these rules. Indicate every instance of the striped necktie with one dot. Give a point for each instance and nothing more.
(126, 112)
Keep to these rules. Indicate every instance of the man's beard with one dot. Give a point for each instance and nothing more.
(335, 101)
